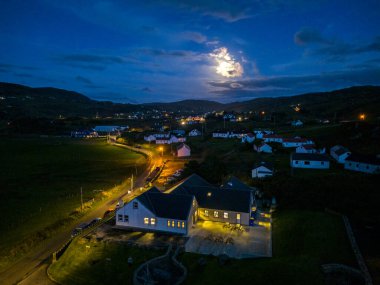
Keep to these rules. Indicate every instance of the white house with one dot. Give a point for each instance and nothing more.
(183, 150)
(273, 138)
(297, 123)
(296, 142)
(306, 149)
(262, 170)
(248, 138)
(339, 153)
(266, 148)
(309, 160)
(149, 138)
(195, 133)
(362, 163)
(156, 211)
(221, 134)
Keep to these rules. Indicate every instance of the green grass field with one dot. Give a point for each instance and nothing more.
(302, 242)
(40, 182)
(99, 263)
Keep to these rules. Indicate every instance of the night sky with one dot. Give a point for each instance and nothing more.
(166, 50)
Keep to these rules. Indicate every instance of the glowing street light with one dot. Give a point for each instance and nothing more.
(362, 117)
(162, 150)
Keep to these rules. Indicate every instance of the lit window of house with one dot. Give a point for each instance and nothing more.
(237, 216)
(209, 194)
(178, 224)
(225, 215)
(168, 223)
(183, 224)
(146, 221)
(216, 214)
(152, 221)
(120, 218)
(173, 224)
(135, 205)
(206, 213)
(126, 218)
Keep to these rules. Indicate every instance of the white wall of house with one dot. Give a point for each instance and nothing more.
(183, 152)
(266, 148)
(221, 135)
(209, 215)
(261, 172)
(194, 133)
(302, 149)
(339, 158)
(310, 164)
(247, 139)
(149, 138)
(361, 167)
(296, 144)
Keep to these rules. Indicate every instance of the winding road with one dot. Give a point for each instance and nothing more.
(31, 269)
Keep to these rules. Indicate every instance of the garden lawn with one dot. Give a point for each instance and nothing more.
(40, 182)
(302, 242)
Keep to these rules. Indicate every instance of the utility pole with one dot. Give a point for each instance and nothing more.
(132, 183)
(81, 198)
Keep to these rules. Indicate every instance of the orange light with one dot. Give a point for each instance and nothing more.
(262, 113)
(362, 116)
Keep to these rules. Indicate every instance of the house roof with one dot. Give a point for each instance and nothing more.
(212, 197)
(369, 159)
(339, 150)
(250, 135)
(294, 140)
(181, 145)
(171, 206)
(235, 184)
(309, 156)
(265, 164)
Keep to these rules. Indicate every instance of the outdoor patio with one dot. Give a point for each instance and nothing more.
(237, 242)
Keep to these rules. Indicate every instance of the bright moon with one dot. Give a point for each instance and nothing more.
(226, 64)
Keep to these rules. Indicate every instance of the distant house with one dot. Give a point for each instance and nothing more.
(248, 138)
(297, 123)
(156, 211)
(266, 148)
(296, 142)
(181, 138)
(183, 150)
(309, 160)
(195, 133)
(262, 170)
(105, 130)
(362, 163)
(261, 133)
(179, 132)
(306, 149)
(238, 134)
(84, 134)
(339, 153)
(149, 138)
(221, 134)
(273, 138)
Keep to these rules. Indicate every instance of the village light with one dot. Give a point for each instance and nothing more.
(162, 150)
(262, 113)
(362, 117)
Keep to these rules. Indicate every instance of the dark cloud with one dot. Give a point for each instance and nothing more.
(90, 58)
(291, 85)
(332, 49)
(310, 36)
(146, 89)
(24, 75)
(9, 67)
(161, 52)
(83, 80)
(194, 36)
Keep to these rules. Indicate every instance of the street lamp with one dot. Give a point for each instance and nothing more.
(162, 150)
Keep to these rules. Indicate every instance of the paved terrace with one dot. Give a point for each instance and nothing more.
(216, 239)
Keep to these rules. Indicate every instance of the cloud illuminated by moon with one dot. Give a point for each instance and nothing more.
(226, 66)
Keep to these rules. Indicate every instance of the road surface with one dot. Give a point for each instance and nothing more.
(31, 269)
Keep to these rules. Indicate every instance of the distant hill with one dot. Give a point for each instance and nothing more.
(22, 101)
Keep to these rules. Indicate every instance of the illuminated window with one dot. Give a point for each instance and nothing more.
(183, 224)
(146, 221)
(152, 221)
(206, 213)
(178, 224)
(225, 215)
(193, 203)
(168, 223)
(216, 214)
(173, 224)
(209, 194)
(126, 218)
(120, 218)
(238, 216)
(135, 205)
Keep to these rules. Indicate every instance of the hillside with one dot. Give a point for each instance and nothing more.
(21, 101)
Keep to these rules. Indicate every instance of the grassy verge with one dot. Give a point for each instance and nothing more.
(302, 242)
(41, 180)
(91, 262)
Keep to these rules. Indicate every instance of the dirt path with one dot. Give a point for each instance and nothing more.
(31, 269)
